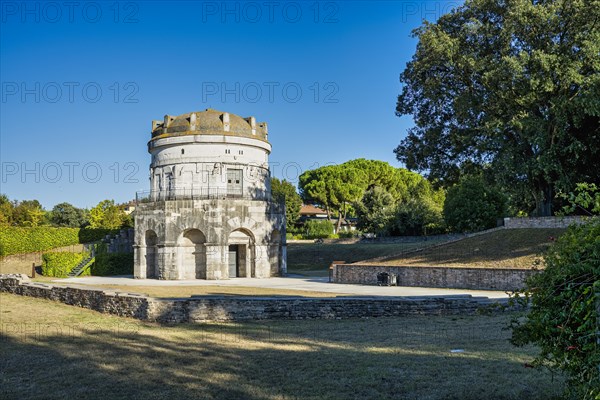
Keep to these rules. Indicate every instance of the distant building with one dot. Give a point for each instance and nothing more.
(310, 212)
(128, 208)
(209, 213)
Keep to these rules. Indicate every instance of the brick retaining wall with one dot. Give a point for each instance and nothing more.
(543, 222)
(435, 277)
(226, 308)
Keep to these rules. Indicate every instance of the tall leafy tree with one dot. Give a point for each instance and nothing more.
(334, 187)
(376, 211)
(510, 85)
(107, 215)
(472, 205)
(283, 190)
(6, 210)
(65, 214)
(28, 213)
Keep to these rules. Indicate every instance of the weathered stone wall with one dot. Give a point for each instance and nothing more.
(435, 277)
(543, 222)
(224, 308)
(122, 242)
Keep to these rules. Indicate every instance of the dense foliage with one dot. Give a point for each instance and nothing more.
(376, 211)
(472, 205)
(563, 320)
(30, 213)
(59, 264)
(17, 240)
(65, 214)
(108, 264)
(108, 215)
(362, 187)
(27, 213)
(284, 191)
(314, 229)
(508, 87)
(584, 199)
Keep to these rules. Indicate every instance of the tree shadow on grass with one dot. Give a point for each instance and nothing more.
(392, 358)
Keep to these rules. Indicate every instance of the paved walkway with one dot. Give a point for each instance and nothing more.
(314, 284)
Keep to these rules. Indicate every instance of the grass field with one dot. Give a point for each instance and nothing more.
(54, 351)
(314, 259)
(510, 248)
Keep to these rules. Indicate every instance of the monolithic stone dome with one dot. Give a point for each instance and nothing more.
(209, 122)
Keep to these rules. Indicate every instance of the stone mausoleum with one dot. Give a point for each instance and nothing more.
(209, 213)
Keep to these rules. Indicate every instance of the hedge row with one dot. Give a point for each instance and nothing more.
(87, 235)
(59, 264)
(108, 264)
(17, 240)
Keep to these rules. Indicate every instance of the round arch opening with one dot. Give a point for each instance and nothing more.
(241, 254)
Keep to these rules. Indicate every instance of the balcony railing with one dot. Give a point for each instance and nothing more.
(149, 196)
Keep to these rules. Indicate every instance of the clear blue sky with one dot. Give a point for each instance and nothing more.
(81, 84)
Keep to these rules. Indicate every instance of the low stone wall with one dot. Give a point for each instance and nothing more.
(543, 222)
(435, 277)
(225, 308)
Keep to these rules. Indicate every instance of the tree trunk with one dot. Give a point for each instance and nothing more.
(544, 197)
(339, 222)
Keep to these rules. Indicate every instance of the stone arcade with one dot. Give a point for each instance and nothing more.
(209, 213)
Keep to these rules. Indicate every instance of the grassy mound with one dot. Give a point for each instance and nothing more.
(508, 248)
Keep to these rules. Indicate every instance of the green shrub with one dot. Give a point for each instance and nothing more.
(16, 240)
(59, 264)
(348, 234)
(89, 235)
(318, 229)
(472, 205)
(563, 319)
(108, 264)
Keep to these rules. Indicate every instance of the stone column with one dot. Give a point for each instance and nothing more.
(167, 261)
(283, 260)
(261, 261)
(216, 261)
(139, 262)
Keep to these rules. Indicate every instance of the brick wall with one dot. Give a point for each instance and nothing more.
(543, 222)
(224, 308)
(435, 277)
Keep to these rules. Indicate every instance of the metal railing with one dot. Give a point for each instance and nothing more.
(149, 196)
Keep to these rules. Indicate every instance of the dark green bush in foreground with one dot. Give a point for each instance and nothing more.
(112, 264)
(59, 264)
(563, 319)
(317, 229)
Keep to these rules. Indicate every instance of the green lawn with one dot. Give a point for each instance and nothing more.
(314, 259)
(509, 248)
(53, 351)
